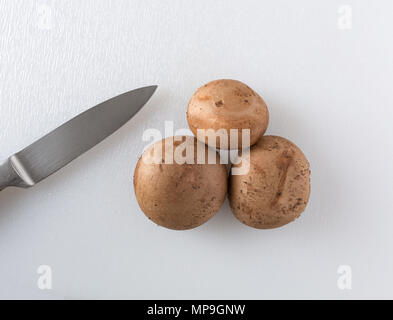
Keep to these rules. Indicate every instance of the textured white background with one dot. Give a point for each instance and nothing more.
(328, 90)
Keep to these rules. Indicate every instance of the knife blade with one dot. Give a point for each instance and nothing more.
(67, 142)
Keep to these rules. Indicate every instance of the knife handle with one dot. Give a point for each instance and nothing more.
(8, 176)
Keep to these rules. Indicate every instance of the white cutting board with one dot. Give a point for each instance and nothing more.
(328, 89)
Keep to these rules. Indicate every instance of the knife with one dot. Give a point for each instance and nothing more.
(59, 147)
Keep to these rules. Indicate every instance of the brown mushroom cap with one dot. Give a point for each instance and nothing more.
(228, 104)
(179, 196)
(277, 187)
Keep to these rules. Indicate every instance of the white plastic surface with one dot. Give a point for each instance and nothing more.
(328, 89)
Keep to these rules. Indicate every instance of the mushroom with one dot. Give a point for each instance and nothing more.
(183, 193)
(222, 105)
(276, 189)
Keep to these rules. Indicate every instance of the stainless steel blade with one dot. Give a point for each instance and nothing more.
(69, 141)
